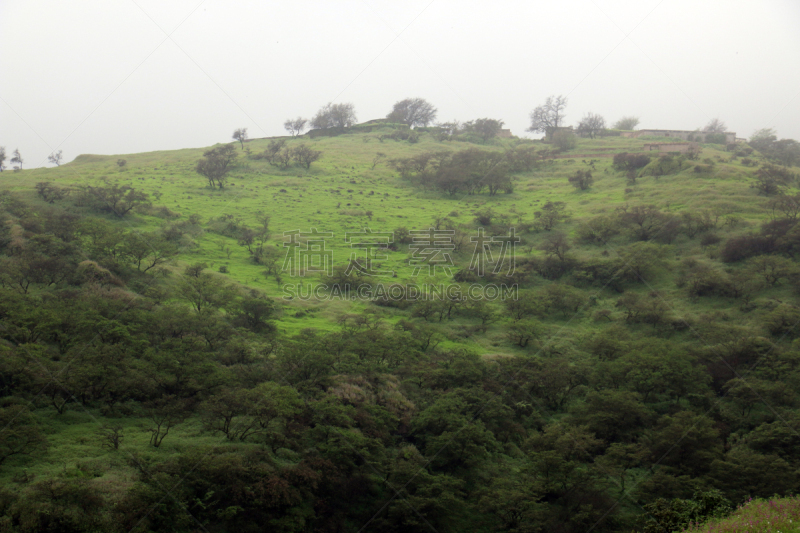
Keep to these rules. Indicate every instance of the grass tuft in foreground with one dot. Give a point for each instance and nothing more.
(777, 515)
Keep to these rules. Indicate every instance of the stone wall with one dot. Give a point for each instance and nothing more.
(669, 147)
(685, 135)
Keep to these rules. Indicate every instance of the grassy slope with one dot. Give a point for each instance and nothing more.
(308, 202)
(254, 190)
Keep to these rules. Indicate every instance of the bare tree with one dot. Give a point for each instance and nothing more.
(240, 135)
(413, 112)
(55, 158)
(715, 125)
(591, 125)
(295, 126)
(377, 159)
(626, 123)
(549, 116)
(334, 116)
(16, 157)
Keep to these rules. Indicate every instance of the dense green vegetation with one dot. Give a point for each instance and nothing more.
(153, 376)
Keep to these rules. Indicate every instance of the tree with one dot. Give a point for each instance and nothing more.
(522, 332)
(295, 126)
(16, 157)
(20, 435)
(771, 267)
(549, 116)
(273, 148)
(377, 159)
(147, 250)
(55, 158)
(305, 155)
(551, 214)
(582, 179)
(240, 135)
(117, 199)
(715, 125)
(785, 151)
(204, 292)
(51, 193)
(2, 157)
(556, 244)
(487, 128)
(413, 112)
(591, 125)
(788, 205)
(334, 116)
(626, 123)
(762, 138)
(771, 179)
(282, 158)
(215, 164)
(164, 414)
(630, 163)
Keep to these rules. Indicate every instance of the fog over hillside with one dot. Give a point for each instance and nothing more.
(121, 77)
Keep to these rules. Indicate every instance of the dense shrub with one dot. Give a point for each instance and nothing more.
(564, 140)
(627, 162)
(744, 246)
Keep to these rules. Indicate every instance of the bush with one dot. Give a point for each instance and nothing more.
(627, 162)
(665, 516)
(703, 169)
(739, 248)
(582, 179)
(710, 239)
(663, 166)
(564, 140)
(715, 138)
(51, 193)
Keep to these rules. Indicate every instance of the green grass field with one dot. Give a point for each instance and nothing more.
(336, 193)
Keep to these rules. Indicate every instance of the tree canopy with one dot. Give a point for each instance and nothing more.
(215, 164)
(334, 116)
(413, 112)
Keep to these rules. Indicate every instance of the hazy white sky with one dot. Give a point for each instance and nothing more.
(122, 76)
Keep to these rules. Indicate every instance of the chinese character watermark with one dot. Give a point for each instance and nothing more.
(310, 256)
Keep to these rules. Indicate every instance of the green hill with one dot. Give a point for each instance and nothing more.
(162, 370)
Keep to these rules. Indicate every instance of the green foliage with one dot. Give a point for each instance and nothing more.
(632, 364)
(665, 516)
(626, 123)
(564, 140)
(116, 199)
(582, 179)
(215, 164)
